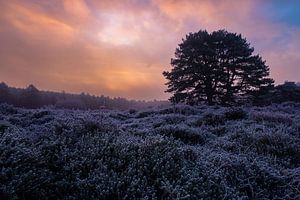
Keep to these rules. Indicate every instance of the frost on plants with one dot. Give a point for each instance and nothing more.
(176, 152)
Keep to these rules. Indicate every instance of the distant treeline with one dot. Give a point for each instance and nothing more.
(31, 97)
(289, 91)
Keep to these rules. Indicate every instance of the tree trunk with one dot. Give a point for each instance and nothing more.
(209, 99)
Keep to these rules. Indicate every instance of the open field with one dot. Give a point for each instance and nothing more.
(177, 152)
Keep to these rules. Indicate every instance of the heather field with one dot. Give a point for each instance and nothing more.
(181, 152)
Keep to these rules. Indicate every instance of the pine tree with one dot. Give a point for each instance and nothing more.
(217, 67)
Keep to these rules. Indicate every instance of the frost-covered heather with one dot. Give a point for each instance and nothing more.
(177, 152)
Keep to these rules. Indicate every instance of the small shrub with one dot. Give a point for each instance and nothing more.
(182, 133)
(213, 119)
(198, 122)
(235, 114)
(132, 111)
(179, 109)
(272, 118)
(279, 145)
(41, 114)
(168, 119)
(219, 130)
(276, 145)
(173, 119)
(4, 125)
(6, 109)
(119, 116)
(144, 114)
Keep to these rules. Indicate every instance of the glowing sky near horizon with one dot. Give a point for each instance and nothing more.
(121, 47)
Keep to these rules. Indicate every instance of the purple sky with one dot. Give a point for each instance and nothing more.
(120, 48)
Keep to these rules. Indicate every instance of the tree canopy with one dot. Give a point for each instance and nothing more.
(217, 67)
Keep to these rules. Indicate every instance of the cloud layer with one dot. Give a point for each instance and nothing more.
(120, 48)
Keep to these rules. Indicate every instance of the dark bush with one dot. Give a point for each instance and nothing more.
(6, 109)
(179, 109)
(272, 117)
(235, 114)
(119, 116)
(144, 114)
(213, 119)
(41, 114)
(4, 125)
(132, 111)
(184, 134)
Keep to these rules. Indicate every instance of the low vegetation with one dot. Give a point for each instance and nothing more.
(180, 152)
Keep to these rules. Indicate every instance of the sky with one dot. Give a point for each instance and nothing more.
(121, 47)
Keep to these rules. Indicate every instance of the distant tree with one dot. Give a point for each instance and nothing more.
(289, 91)
(30, 97)
(5, 95)
(72, 103)
(217, 67)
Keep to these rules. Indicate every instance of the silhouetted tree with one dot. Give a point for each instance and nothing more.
(4, 93)
(217, 67)
(289, 91)
(30, 97)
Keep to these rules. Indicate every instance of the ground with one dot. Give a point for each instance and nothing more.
(179, 152)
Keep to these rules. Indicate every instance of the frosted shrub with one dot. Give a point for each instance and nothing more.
(6, 109)
(180, 109)
(132, 111)
(187, 153)
(120, 116)
(213, 119)
(271, 117)
(235, 114)
(279, 145)
(143, 114)
(40, 114)
(183, 133)
(169, 119)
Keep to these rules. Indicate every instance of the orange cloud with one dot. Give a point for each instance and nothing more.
(77, 8)
(36, 24)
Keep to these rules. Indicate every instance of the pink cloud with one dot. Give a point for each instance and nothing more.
(120, 48)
